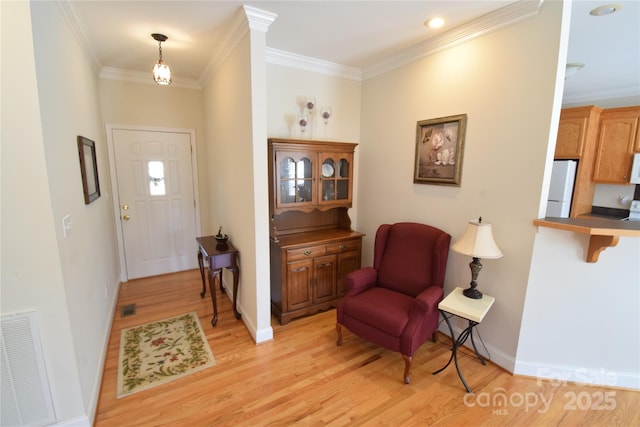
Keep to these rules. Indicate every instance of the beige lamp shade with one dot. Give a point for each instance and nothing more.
(477, 241)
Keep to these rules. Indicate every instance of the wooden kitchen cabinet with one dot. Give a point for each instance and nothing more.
(576, 131)
(577, 135)
(312, 244)
(617, 141)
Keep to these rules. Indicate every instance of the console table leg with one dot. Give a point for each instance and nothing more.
(213, 275)
(236, 272)
(201, 265)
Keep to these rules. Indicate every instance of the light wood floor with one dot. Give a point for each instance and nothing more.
(302, 378)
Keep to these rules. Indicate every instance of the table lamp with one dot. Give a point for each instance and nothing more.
(477, 242)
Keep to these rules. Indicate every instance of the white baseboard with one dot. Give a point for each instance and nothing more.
(259, 335)
(75, 422)
(555, 373)
(559, 375)
(495, 355)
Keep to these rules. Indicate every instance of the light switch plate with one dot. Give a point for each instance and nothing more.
(66, 225)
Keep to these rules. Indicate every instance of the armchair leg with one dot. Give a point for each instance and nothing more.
(434, 337)
(339, 331)
(407, 368)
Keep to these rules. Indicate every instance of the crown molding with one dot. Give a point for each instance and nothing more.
(287, 59)
(482, 25)
(251, 18)
(111, 73)
(247, 18)
(588, 97)
(75, 24)
(259, 19)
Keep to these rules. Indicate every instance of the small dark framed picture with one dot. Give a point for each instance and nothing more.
(439, 150)
(89, 169)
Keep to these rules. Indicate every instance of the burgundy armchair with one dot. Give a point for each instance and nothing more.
(394, 304)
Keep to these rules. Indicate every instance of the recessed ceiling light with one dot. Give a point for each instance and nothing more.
(434, 23)
(607, 9)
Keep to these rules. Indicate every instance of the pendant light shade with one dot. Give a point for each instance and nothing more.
(161, 71)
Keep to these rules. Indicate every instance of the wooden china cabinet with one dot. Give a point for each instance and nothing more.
(312, 244)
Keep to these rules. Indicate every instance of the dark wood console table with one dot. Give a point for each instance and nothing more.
(219, 256)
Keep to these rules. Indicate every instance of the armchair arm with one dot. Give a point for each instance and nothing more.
(360, 280)
(427, 300)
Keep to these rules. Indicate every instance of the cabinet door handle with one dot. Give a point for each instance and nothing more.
(307, 252)
(343, 247)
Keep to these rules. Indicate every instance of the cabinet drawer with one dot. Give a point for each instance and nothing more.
(348, 245)
(304, 253)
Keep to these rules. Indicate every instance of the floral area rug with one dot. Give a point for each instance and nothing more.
(162, 351)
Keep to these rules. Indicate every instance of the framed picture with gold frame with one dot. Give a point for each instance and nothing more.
(439, 150)
(89, 169)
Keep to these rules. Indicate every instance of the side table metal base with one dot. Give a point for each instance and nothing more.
(456, 343)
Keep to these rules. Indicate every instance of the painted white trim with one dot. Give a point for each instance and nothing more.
(259, 336)
(74, 422)
(145, 78)
(558, 375)
(495, 355)
(301, 62)
(114, 181)
(251, 17)
(555, 373)
(259, 19)
(238, 29)
(75, 24)
(95, 395)
(485, 24)
(588, 97)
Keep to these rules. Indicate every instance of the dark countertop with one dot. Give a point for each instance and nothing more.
(593, 225)
(603, 233)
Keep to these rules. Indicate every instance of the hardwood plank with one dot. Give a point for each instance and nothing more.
(302, 377)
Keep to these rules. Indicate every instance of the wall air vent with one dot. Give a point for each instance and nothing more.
(26, 397)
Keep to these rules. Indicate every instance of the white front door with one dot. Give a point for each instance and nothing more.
(156, 201)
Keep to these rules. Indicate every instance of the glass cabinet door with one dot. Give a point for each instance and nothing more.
(335, 178)
(295, 179)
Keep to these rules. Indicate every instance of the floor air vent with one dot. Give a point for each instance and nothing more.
(26, 397)
(128, 310)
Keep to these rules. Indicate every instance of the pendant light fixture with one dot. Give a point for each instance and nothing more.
(161, 71)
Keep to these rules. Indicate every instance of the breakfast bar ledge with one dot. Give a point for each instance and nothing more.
(604, 233)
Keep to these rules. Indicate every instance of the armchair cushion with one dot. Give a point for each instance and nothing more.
(382, 309)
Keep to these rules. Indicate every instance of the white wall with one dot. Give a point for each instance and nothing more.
(63, 280)
(581, 320)
(491, 79)
(343, 95)
(237, 173)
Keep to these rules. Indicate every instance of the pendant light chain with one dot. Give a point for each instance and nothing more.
(161, 71)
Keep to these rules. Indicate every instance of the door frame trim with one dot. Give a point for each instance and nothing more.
(109, 127)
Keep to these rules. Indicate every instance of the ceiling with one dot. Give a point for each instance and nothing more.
(356, 34)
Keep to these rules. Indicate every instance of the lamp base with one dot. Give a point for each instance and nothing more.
(472, 293)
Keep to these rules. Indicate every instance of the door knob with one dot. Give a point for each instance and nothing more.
(126, 217)
(125, 207)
